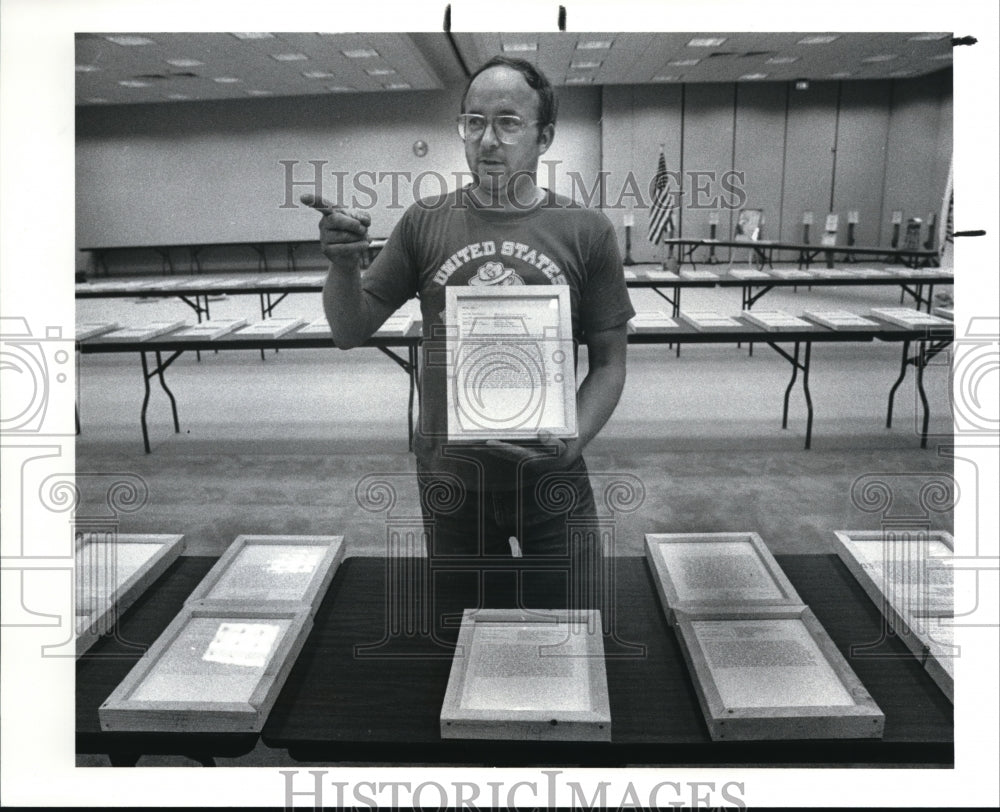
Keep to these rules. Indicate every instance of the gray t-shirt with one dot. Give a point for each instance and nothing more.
(453, 241)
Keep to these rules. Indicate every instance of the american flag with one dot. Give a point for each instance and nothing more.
(661, 213)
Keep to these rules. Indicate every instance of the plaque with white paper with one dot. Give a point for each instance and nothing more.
(772, 672)
(279, 572)
(111, 573)
(714, 570)
(510, 363)
(530, 675)
(909, 576)
(213, 670)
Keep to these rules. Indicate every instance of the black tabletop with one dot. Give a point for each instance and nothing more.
(370, 682)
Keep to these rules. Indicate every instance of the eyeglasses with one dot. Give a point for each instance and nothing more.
(507, 129)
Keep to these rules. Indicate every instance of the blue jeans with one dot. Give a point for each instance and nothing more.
(553, 518)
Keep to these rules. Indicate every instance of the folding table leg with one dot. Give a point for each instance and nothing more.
(921, 363)
(902, 374)
(791, 383)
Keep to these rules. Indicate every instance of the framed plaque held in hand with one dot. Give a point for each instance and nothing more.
(510, 363)
(529, 675)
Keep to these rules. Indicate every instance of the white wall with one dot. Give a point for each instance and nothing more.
(211, 171)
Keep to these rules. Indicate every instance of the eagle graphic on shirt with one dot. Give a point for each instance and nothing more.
(495, 274)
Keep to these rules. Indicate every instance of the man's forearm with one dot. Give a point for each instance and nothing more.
(347, 308)
(596, 399)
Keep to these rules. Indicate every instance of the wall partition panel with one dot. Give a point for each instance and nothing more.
(945, 143)
(862, 130)
(809, 158)
(759, 152)
(635, 122)
(914, 183)
(708, 154)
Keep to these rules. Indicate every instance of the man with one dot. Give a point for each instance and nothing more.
(502, 228)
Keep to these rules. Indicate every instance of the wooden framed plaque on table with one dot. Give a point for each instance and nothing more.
(530, 675)
(912, 319)
(271, 327)
(111, 573)
(909, 577)
(772, 672)
(213, 670)
(278, 572)
(90, 329)
(710, 570)
(208, 330)
(153, 329)
(776, 321)
(839, 319)
(510, 363)
(711, 321)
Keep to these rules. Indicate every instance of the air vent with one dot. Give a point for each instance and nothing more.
(184, 74)
(722, 53)
(757, 53)
(153, 76)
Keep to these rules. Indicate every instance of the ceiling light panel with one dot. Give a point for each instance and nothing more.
(519, 47)
(188, 62)
(129, 40)
(706, 42)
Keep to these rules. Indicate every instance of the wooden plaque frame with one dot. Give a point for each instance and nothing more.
(910, 626)
(776, 321)
(164, 550)
(122, 713)
(458, 722)
(712, 321)
(312, 595)
(839, 319)
(667, 588)
(468, 357)
(209, 330)
(860, 720)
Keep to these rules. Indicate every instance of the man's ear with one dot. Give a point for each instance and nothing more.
(546, 137)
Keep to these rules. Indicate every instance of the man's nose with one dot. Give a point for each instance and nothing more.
(489, 139)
